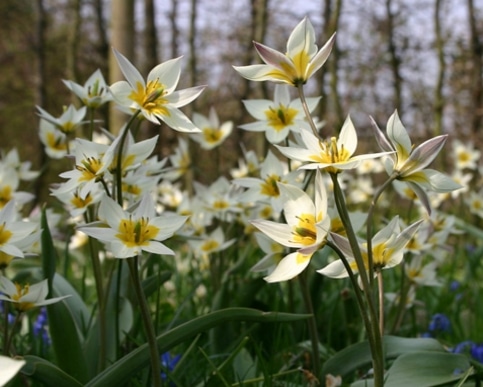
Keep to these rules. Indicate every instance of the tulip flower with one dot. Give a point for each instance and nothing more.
(156, 98)
(388, 247)
(408, 163)
(306, 228)
(333, 155)
(26, 297)
(297, 65)
(127, 234)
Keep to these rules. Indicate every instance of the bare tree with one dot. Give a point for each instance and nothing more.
(331, 11)
(476, 52)
(439, 101)
(73, 36)
(122, 39)
(173, 16)
(395, 60)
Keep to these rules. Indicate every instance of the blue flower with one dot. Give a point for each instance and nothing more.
(439, 324)
(39, 328)
(477, 352)
(168, 362)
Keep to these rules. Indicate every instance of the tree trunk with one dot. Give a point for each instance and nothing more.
(122, 39)
(476, 47)
(73, 43)
(395, 61)
(439, 101)
(174, 28)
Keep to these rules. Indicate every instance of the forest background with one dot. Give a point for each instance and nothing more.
(422, 57)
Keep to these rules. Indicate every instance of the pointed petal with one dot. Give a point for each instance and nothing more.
(319, 60)
(183, 97)
(301, 39)
(178, 121)
(398, 136)
(289, 267)
(133, 76)
(424, 154)
(335, 269)
(280, 233)
(167, 73)
(348, 136)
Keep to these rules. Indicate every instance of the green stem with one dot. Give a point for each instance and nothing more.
(357, 290)
(369, 221)
(8, 342)
(119, 156)
(300, 89)
(147, 322)
(97, 271)
(312, 323)
(5, 330)
(380, 285)
(373, 332)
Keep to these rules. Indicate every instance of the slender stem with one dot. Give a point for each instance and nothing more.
(300, 89)
(97, 271)
(119, 156)
(357, 290)
(373, 332)
(380, 285)
(8, 343)
(312, 323)
(5, 330)
(147, 322)
(369, 221)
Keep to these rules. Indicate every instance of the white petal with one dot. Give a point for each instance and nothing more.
(289, 267)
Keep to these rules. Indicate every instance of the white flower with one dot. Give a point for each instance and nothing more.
(127, 234)
(156, 98)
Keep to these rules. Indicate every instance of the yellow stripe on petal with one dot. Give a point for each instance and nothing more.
(302, 258)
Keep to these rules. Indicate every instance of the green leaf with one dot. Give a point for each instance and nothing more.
(74, 303)
(49, 254)
(66, 339)
(151, 284)
(426, 369)
(47, 373)
(358, 355)
(123, 369)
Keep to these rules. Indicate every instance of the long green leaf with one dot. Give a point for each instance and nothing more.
(426, 369)
(66, 339)
(47, 373)
(120, 372)
(358, 355)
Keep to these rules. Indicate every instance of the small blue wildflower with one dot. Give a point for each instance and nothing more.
(40, 327)
(454, 285)
(477, 352)
(168, 362)
(439, 324)
(463, 347)
(11, 317)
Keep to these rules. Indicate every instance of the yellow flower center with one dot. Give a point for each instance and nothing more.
(280, 118)
(5, 259)
(305, 232)
(5, 195)
(22, 291)
(209, 245)
(5, 235)
(330, 153)
(136, 233)
(56, 143)
(78, 202)
(270, 187)
(212, 135)
(150, 98)
(89, 168)
(220, 204)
